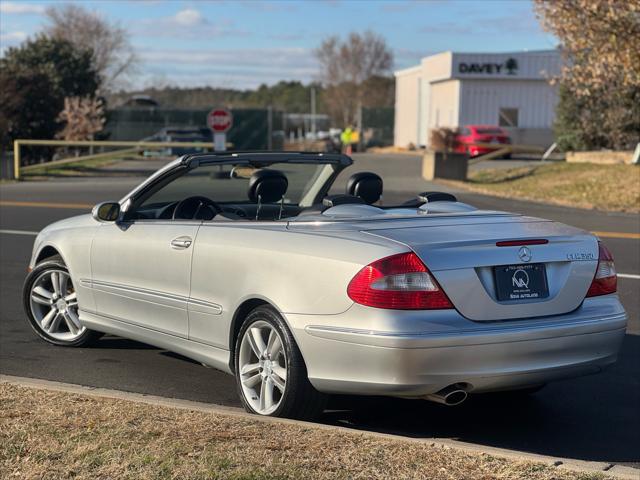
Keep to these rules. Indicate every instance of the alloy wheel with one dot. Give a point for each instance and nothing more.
(263, 367)
(54, 305)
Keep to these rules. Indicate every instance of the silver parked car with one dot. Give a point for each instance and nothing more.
(245, 262)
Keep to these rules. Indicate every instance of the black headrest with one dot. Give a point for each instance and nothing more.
(269, 185)
(426, 197)
(341, 199)
(366, 185)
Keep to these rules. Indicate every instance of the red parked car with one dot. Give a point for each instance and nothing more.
(468, 135)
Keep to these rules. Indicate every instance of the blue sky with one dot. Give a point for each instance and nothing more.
(245, 43)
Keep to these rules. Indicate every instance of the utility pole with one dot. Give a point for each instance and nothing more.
(270, 128)
(313, 112)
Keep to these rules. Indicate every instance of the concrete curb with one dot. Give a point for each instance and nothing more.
(616, 471)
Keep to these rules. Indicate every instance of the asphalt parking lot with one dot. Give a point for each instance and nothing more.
(589, 418)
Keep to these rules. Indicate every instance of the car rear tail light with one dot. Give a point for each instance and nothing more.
(400, 282)
(605, 281)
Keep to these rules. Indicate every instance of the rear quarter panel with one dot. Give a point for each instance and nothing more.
(301, 273)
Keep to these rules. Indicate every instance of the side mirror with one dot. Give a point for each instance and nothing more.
(106, 211)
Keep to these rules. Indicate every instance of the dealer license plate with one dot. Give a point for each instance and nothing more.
(521, 282)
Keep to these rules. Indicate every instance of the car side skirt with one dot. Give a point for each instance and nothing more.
(217, 358)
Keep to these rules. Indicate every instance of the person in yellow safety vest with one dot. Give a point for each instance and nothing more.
(345, 138)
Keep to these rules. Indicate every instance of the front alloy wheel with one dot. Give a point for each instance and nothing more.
(54, 305)
(51, 305)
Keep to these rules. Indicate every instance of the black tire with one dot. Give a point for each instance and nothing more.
(51, 263)
(300, 400)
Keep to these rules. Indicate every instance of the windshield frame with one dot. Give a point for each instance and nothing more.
(187, 163)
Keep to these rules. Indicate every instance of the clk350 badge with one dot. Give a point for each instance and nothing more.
(580, 257)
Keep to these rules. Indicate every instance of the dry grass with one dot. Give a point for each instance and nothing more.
(46, 434)
(583, 185)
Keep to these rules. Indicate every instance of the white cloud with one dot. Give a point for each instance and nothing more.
(186, 24)
(21, 8)
(12, 37)
(273, 57)
(237, 68)
(188, 18)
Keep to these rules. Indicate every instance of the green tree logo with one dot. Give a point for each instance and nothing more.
(512, 66)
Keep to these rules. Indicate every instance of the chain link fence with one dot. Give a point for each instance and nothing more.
(253, 129)
(377, 126)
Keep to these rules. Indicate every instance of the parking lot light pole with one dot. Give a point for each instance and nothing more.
(313, 113)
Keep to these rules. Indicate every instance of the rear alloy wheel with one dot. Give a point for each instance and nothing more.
(51, 305)
(270, 373)
(263, 367)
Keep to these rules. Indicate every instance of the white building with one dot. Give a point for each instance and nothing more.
(454, 89)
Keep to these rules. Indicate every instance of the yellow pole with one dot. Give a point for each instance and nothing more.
(16, 159)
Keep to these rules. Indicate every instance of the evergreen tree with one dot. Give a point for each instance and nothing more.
(35, 78)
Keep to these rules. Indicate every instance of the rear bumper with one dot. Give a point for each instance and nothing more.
(400, 353)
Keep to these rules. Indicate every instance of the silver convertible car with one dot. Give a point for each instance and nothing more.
(250, 263)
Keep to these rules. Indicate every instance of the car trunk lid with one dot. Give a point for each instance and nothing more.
(463, 258)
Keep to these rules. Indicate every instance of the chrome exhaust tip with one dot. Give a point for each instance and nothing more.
(451, 395)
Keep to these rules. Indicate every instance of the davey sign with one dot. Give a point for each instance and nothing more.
(509, 67)
(220, 120)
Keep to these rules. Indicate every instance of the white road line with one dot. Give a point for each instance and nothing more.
(629, 275)
(19, 232)
(33, 234)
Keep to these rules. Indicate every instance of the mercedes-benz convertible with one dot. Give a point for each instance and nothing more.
(252, 264)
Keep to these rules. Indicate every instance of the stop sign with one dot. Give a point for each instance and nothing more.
(220, 120)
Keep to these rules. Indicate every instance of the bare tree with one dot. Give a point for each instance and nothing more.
(347, 68)
(113, 55)
(600, 96)
(83, 118)
(601, 40)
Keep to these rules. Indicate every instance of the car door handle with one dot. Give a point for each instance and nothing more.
(181, 242)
